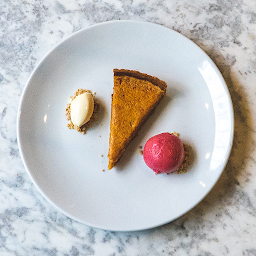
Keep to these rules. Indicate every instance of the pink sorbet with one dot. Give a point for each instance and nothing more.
(164, 153)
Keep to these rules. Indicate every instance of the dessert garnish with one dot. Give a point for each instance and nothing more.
(165, 153)
(81, 110)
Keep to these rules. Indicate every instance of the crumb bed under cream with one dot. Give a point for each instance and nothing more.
(82, 110)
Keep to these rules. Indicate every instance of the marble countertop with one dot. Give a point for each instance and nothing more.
(224, 223)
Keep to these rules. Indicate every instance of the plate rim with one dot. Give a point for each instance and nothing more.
(231, 138)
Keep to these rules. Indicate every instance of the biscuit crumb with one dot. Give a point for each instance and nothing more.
(140, 147)
(103, 170)
(187, 158)
(140, 152)
(94, 116)
(101, 155)
(176, 134)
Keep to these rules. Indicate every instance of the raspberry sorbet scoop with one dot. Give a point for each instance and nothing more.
(164, 153)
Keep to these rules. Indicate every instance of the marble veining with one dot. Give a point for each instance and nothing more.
(224, 223)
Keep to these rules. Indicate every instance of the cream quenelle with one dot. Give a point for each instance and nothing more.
(82, 109)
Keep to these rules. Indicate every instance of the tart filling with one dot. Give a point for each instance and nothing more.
(134, 97)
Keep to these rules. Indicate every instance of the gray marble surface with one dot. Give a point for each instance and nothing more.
(224, 223)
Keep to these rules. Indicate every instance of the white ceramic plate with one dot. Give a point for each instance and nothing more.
(66, 166)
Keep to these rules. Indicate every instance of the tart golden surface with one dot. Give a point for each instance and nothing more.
(135, 95)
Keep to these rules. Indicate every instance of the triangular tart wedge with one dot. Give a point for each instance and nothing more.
(135, 95)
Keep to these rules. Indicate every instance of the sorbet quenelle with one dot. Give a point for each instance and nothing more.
(164, 153)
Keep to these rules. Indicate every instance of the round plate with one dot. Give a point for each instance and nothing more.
(66, 166)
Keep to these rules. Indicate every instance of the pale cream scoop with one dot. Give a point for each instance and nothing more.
(82, 108)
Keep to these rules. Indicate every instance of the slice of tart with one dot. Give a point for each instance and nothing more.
(135, 95)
